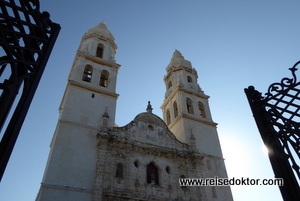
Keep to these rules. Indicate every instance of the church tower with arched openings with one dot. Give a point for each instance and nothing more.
(186, 112)
(88, 104)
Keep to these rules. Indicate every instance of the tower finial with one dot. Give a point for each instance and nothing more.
(105, 114)
(103, 25)
(177, 54)
(149, 107)
(178, 60)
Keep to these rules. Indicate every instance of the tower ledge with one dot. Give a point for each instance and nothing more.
(93, 89)
(173, 93)
(98, 60)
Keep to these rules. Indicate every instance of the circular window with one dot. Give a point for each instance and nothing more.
(150, 128)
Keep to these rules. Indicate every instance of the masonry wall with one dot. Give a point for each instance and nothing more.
(71, 167)
(133, 185)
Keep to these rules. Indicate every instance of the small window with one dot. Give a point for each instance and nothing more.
(136, 163)
(169, 84)
(189, 79)
(175, 108)
(152, 174)
(189, 105)
(87, 73)
(168, 117)
(104, 78)
(99, 52)
(201, 109)
(119, 171)
(168, 169)
(150, 128)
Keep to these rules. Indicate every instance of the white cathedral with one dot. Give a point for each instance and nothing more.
(92, 159)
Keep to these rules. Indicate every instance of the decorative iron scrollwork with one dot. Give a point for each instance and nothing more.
(24, 31)
(277, 115)
(283, 106)
(284, 85)
(27, 37)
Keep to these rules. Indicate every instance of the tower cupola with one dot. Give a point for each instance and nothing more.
(99, 42)
(178, 61)
(102, 30)
(181, 74)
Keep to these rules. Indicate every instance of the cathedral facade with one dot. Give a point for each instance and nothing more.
(92, 159)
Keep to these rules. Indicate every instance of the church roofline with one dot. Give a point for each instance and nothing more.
(185, 151)
(142, 115)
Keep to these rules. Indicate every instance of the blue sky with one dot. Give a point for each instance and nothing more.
(232, 44)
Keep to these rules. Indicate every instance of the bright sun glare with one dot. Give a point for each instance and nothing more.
(265, 150)
(235, 154)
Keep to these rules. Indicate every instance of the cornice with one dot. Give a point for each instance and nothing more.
(192, 117)
(98, 60)
(194, 93)
(78, 124)
(177, 89)
(175, 69)
(66, 187)
(93, 89)
(101, 37)
(179, 116)
(199, 119)
(169, 98)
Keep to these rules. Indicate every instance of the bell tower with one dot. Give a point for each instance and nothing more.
(91, 89)
(89, 103)
(186, 112)
(185, 108)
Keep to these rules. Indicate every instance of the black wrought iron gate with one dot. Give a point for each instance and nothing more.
(277, 115)
(27, 37)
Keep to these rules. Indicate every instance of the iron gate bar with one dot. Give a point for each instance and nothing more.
(279, 127)
(27, 36)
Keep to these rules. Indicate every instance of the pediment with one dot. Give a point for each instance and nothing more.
(149, 129)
